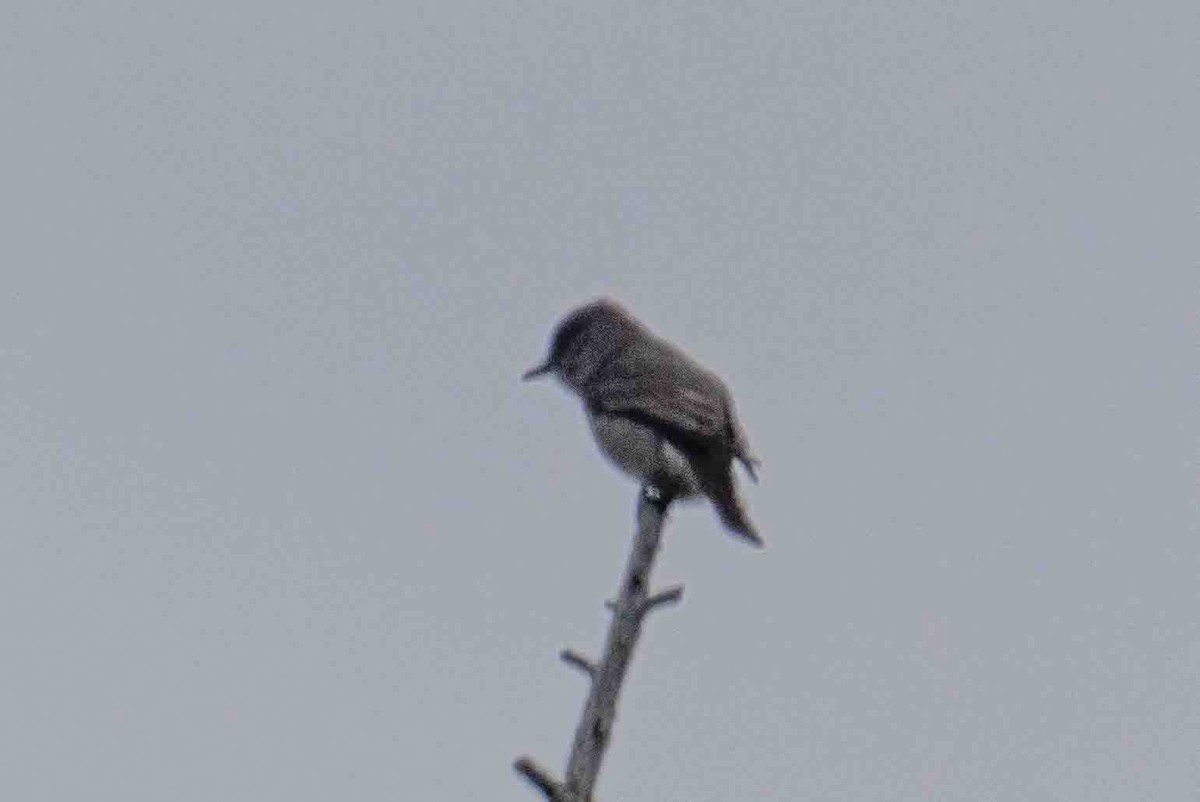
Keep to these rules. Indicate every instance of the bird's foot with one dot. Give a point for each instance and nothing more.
(653, 494)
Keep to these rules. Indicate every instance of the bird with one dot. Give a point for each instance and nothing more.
(654, 411)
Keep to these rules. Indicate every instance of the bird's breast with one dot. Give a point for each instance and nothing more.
(643, 453)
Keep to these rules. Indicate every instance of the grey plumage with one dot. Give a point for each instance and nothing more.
(654, 411)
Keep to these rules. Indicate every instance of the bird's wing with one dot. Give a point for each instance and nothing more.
(692, 414)
(674, 394)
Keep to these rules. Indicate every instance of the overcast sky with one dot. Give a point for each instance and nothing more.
(279, 522)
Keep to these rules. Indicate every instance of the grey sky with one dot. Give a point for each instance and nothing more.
(278, 520)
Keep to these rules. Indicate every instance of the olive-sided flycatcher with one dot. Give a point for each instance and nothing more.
(654, 411)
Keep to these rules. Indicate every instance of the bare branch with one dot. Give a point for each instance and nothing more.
(600, 710)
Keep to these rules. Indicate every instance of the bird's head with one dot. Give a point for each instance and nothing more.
(581, 340)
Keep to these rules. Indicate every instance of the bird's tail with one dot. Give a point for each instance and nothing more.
(724, 497)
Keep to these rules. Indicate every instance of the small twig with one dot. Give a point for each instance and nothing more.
(669, 596)
(541, 779)
(576, 660)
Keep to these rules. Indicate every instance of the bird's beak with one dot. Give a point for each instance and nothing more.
(540, 370)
